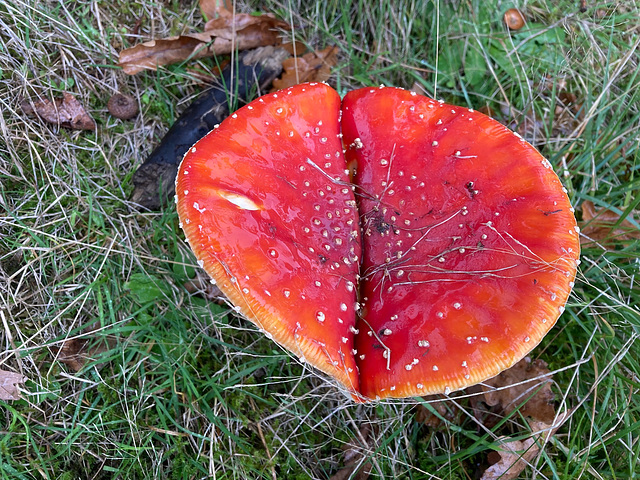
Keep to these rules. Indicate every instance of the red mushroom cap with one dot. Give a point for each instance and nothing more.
(469, 241)
(267, 206)
(470, 244)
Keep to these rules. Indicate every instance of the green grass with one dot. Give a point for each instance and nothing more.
(182, 389)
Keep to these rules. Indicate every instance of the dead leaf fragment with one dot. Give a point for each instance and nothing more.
(294, 48)
(440, 405)
(517, 454)
(135, 30)
(209, 76)
(354, 456)
(487, 110)
(222, 36)
(513, 460)
(311, 67)
(76, 352)
(418, 89)
(600, 226)
(9, 382)
(527, 381)
(201, 285)
(66, 111)
(212, 9)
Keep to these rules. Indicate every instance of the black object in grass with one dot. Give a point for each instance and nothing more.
(240, 83)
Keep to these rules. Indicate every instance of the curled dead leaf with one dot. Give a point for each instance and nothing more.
(515, 455)
(66, 111)
(222, 36)
(604, 226)
(294, 48)
(76, 352)
(526, 385)
(513, 459)
(310, 67)
(9, 382)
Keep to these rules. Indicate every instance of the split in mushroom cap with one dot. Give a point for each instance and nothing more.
(469, 242)
(266, 205)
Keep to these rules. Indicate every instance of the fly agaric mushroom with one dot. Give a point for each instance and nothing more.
(268, 209)
(469, 243)
(468, 238)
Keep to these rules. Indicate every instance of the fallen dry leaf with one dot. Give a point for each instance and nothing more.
(201, 285)
(209, 76)
(135, 30)
(419, 89)
(212, 9)
(76, 352)
(9, 382)
(440, 405)
(66, 111)
(485, 415)
(354, 455)
(222, 36)
(294, 48)
(517, 454)
(513, 459)
(564, 119)
(310, 67)
(254, 70)
(600, 226)
(527, 387)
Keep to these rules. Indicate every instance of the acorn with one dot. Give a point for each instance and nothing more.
(122, 106)
(514, 19)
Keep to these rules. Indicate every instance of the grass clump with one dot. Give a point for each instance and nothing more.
(179, 388)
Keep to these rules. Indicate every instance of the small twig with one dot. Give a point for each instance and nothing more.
(266, 448)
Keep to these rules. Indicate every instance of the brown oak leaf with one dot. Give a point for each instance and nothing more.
(604, 226)
(310, 67)
(442, 407)
(515, 455)
(9, 382)
(76, 352)
(215, 8)
(66, 111)
(222, 35)
(527, 383)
